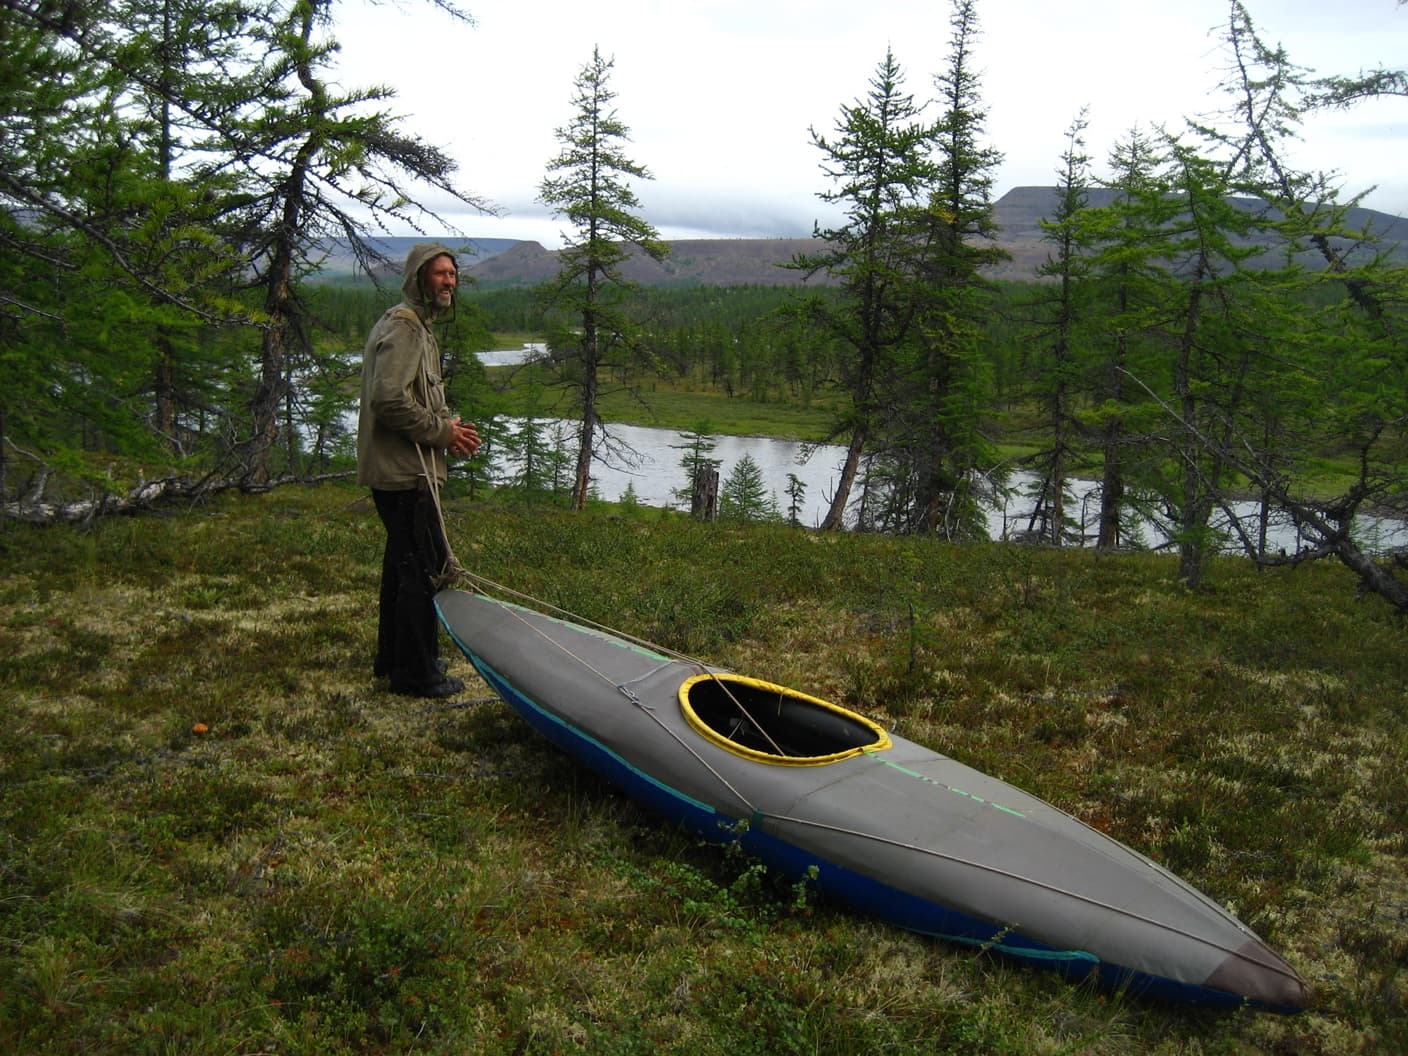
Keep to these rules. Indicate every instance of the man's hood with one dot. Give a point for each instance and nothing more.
(421, 253)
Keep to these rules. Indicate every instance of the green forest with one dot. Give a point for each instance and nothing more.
(172, 173)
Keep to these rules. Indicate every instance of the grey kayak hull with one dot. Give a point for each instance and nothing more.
(886, 825)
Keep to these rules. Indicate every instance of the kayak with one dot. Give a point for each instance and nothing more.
(885, 825)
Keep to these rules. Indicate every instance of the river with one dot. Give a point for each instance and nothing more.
(655, 474)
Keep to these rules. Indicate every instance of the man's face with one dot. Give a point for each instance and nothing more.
(440, 280)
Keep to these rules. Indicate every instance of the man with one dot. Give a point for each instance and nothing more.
(404, 430)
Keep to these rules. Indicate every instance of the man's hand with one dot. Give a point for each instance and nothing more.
(465, 441)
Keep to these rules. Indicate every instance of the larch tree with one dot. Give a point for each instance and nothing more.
(179, 63)
(882, 175)
(161, 158)
(1344, 387)
(1058, 369)
(318, 161)
(938, 440)
(1210, 351)
(103, 244)
(589, 184)
(1126, 271)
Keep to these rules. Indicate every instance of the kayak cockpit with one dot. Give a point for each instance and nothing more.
(774, 724)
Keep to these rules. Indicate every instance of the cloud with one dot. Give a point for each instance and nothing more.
(719, 94)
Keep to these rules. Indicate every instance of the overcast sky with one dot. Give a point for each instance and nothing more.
(719, 95)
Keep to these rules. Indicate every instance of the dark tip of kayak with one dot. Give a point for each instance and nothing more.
(1262, 977)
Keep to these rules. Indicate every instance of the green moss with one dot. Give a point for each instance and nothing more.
(219, 834)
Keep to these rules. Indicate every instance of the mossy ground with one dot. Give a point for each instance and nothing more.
(218, 834)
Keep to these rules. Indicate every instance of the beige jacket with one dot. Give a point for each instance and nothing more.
(403, 396)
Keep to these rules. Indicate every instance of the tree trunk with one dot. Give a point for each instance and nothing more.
(1193, 508)
(143, 497)
(591, 365)
(4, 467)
(278, 280)
(1112, 477)
(1373, 575)
(268, 394)
(835, 518)
(704, 503)
(165, 396)
(940, 493)
(1111, 492)
(583, 481)
(1058, 473)
(1112, 481)
(586, 448)
(279, 307)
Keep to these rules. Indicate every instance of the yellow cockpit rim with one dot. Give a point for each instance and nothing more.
(773, 724)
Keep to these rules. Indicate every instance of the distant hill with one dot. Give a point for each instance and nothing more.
(1020, 211)
(757, 261)
(692, 262)
(340, 261)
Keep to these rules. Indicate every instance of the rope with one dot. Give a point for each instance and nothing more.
(1021, 878)
(624, 688)
(451, 567)
(452, 571)
(480, 582)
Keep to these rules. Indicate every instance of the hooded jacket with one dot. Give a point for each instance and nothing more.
(403, 396)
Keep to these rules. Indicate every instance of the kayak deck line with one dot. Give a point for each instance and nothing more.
(939, 784)
(746, 720)
(1020, 878)
(506, 691)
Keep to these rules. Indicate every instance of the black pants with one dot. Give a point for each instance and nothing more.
(407, 639)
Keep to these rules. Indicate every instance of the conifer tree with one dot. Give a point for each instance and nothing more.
(177, 150)
(536, 461)
(1211, 357)
(744, 495)
(316, 160)
(882, 173)
(936, 440)
(179, 61)
(1061, 311)
(103, 250)
(1342, 375)
(1127, 270)
(796, 494)
(592, 190)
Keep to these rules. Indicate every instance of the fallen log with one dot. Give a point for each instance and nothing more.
(143, 497)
